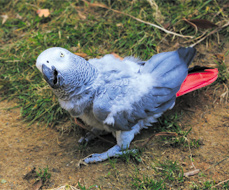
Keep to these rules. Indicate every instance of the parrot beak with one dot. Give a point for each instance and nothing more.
(52, 76)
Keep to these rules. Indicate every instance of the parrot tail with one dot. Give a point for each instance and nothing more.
(198, 77)
(187, 54)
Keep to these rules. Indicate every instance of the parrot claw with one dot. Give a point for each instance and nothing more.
(115, 151)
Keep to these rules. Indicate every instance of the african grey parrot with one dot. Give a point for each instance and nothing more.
(113, 95)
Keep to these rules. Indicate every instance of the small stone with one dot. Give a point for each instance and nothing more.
(51, 184)
(55, 170)
(3, 181)
(12, 185)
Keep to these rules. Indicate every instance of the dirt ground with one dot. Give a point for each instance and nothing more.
(24, 147)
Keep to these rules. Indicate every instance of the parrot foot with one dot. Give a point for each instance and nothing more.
(115, 151)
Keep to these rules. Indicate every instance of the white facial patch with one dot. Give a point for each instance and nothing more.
(57, 57)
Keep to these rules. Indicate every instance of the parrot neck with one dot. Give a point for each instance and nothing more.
(78, 86)
(79, 104)
(76, 99)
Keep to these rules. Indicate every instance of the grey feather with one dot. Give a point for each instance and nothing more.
(118, 96)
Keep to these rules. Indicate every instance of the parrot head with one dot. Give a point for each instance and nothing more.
(51, 63)
(65, 72)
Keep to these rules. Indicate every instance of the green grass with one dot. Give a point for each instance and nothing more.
(223, 76)
(167, 174)
(84, 188)
(43, 175)
(148, 183)
(210, 185)
(170, 123)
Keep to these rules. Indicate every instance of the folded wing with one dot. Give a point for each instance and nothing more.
(123, 103)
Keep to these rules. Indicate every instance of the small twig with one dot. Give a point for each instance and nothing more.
(153, 4)
(87, 129)
(196, 29)
(32, 5)
(212, 32)
(225, 94)
(220, 183)
(66, 187)
(216, 163)
(77, 122)
(191, 173)
(157, 13)
(146, 142)
(168, 134)
(188, 109)
(190, 153)
(140, 20)
(203, 34)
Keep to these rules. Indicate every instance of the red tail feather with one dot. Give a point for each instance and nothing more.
(197, 80)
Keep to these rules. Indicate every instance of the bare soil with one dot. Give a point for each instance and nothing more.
(24, 147)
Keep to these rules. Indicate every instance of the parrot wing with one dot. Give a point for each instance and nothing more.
(121, 103)
(111, 65)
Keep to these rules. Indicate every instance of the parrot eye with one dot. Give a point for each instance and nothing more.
(61, 54)
(47, 61)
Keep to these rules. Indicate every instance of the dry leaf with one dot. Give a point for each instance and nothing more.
(166, 25)
(226, 5)
(191, 173)
(43, 12)
(83, 17)
(220, 57)
(95, 4)
(81, 54)
(176, 45)
(74, 49)
(200, 23)
(158, 49)
(5, 17)
(18, 16)
(119, 25)
(98, 5)
(117, 56)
